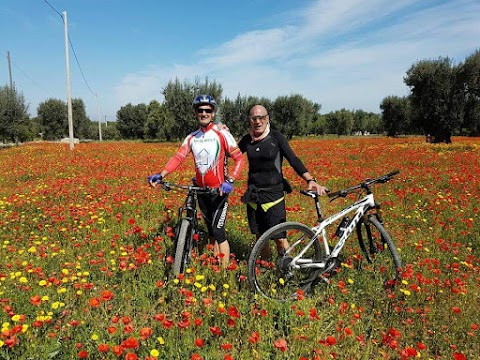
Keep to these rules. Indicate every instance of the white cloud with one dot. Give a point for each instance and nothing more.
(340, 54)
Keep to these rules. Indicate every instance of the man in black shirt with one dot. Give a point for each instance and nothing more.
(266, 148)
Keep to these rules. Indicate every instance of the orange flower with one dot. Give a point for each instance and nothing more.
(36, 300)
(107, 295)
(94, 302)
(131, 356)
(117, 350)
(145, 333)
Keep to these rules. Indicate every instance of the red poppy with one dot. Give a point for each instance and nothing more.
(82, 354)
(215, 330)
(254, 338)
(199, 342)
(103, 348)
(330, 340)
(233, 312)
(281, 344)
(226, 346)
(130, 343)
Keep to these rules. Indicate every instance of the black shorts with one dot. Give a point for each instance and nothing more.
(214, 212)
(260, 221)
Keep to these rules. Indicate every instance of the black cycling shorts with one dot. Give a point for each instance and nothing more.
(260, 221)
(214, 212)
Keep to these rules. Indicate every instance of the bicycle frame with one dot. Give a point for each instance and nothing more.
(189, 208)
(360, 207)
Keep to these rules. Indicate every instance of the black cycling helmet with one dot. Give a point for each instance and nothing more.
(204, 99)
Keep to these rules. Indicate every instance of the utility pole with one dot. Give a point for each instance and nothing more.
(10, 70)
(69, 97)
(99, 122)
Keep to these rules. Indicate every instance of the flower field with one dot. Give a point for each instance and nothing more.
(85, 259)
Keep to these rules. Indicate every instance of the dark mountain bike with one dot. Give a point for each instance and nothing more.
(187, 231)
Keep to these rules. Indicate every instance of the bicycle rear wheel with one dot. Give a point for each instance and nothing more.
(271, 275)
(384, 263)
(183, 247)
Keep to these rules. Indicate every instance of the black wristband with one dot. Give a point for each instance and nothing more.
(312, 179)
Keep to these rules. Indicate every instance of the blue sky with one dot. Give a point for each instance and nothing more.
(338, 53)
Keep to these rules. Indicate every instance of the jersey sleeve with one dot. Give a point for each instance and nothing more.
(180, 156)
(288, 153)
(234, 152)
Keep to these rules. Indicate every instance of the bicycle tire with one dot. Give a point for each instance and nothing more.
(380, 252)
(182, 247)
(274, 279)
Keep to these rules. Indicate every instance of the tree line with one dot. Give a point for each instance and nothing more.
(444, 100)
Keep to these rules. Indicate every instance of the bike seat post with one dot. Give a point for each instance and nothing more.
(318, 208)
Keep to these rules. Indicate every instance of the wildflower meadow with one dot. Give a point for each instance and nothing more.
(85, 269)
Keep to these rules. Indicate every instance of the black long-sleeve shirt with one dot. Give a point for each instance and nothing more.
(265, 159)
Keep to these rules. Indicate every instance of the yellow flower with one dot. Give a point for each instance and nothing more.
(94, 337)
(16, 317)
(160, 340)
(42, 283)
(199, 277)
(154, 353)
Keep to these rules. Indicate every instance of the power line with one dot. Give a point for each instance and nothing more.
(27, 76)
(73, 49)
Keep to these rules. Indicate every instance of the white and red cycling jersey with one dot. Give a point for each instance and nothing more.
(210, 148)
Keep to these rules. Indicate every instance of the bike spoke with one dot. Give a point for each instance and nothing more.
(273, 275)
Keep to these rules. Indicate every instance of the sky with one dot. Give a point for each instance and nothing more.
(341, 54)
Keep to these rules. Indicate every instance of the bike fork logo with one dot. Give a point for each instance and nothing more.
(223, 215)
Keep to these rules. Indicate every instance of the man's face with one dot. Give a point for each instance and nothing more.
(204, 114)
(258, 120)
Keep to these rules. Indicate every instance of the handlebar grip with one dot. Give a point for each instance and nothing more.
(393, 173)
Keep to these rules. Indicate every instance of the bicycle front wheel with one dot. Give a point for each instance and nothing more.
(271, 275)
(383, 261)
(182, 248)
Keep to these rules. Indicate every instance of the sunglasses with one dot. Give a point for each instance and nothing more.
(259, 117)
(201, 111)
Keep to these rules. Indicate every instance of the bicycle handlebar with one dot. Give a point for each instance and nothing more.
(364, 185)
(198, 189)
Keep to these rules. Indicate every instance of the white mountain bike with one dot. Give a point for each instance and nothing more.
(313, 252)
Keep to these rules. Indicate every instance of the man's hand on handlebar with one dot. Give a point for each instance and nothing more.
(154, 180)
(319, 189)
